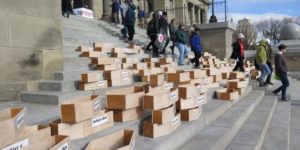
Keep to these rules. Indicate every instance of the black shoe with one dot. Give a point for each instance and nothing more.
(270, 83)
(284, 100)
(274, 93)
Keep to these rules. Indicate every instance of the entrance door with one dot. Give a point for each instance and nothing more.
(83, 4)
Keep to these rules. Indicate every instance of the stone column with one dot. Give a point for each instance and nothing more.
(106, 10)
(193, 14)
(98, 9)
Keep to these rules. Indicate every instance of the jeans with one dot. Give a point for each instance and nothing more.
(285, 83)
(265, 71)
(270, 75)
(183, 50)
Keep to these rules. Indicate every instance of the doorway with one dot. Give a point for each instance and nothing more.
(83, 4)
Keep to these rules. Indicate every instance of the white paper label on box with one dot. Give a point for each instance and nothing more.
(175, 121)
(124, 74)
(173, 95)
(20, 120)
(200, 100)
(99, 77)
(125, 79)
(99, 120)
(168, 86)
(101, 83)
(64, 147)
(97, 105)
(17, 146)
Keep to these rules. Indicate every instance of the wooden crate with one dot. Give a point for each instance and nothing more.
(35, 133)
(151, 60)
(212, 71)
(163, 116)
(201, 88)
(99, 122)
(156, 80)
(160, 99)
(84, 49)
(120, 140)
(191, 114)
(227, 94)
(128, 115)
(92, 77)
(155, 130)
(178, 77)
(125, 98)
(12, 122)
(93, 85)
(74, 111)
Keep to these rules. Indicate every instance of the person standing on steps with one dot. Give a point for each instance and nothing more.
(115, 8)
(172, 32)
(269, 61)
(151, 32)
(123, 10)
(195, 42)
(130, 19)
(281, 70)
(261, 60)
(141, 17)
(238, 53)
(164, 25)
(181, 44)
(66, 8)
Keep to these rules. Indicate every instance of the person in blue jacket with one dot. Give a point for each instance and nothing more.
(195, 42)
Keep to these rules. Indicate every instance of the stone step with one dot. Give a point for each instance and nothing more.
(295, 128)
(278, 135)
(77, 60)
(187, 130)
(254, 130)
(70, 75)
(59, 86)
(219, 133)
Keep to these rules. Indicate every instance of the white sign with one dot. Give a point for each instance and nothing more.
(20, 120)
(87, 13)
(200, 100)
(99, 120)
(175, 121)
(173, 95)
(99, 76)
(64, 147)
(168, 86)
(96, 105)
(17, 146)
(101, 83)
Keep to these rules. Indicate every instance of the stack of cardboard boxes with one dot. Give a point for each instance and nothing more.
(82, 117)
(16, 135)
(92, 81)
(126, 103)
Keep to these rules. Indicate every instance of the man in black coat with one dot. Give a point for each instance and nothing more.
(66, 7)
(164, 25)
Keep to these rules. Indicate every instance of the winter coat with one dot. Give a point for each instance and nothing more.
(130, 17)
(181, 37)
(236, 50)
(195, 42)
(172, 31)
(261, 54)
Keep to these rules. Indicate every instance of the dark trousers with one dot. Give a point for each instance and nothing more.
(270, 75)
(66, 7)
(196, 58)
(285, 83)
(239, 65)
(115, 18)
(165, 46)
(131, 32)
(151, 43)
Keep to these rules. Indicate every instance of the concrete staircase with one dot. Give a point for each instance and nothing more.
(255, 121)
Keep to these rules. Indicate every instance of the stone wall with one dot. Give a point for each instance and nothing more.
(30, 44)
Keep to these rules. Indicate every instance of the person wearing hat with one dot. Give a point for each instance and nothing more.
(269, 61)
(281, 70)
(238, 53)
(261, 60)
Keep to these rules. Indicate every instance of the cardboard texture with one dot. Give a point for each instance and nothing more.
(120, 82)
(12, 122)
(92, 77)
(139, 66)
(80, 110)
(119, 55)
(163, 116)
(236, 75)
(197, 73)
(117, 74)
(110, 67)
(160, 99)
(99, 122)
(93, 85)
(150, 71)
(151, 60)
(154, 130)
(105, 61)
(227, 94)
(156, 80)
(187, 91)
(179, 77)
(130, 60)
(167, 86)
(241, 83)
(120, 140)
(92, 54)
(104, 49)
(165, 60)
(191, 114)
(57, 142)
(125, 98)
(128, 115)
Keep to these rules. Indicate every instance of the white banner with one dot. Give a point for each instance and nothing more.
(83, 12)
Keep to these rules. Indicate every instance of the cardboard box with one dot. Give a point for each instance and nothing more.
(118, 55)
(225, 76)
(187, 91)
(169, 69)
(156, 80)
(57, 142)
(92, 54)
(236, 75)
(105, 61)
(197, 73)
(201, 99)
(128, 115)
(212, 71)
(193, 102)
(125, 50)
(130, 60)
(12, 122)
(93, 85)
(110, 67)
(163, 61)
(84, 49)
(139, 66)
(99, 122)
(154, 130)
(120, 140)
(160, 99)
(125, 98)
(120, 82)
(191, 114)
(217, 78)
(101, 44)
(150, 71)
(92, 77)
(151, 60)
(163, 116)
(241, 83)
(201, 88)
(34, 133)
(104, 49)
(178, 77)
(227, 94)
(117, 74)
(74, 111)
(165, 87)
